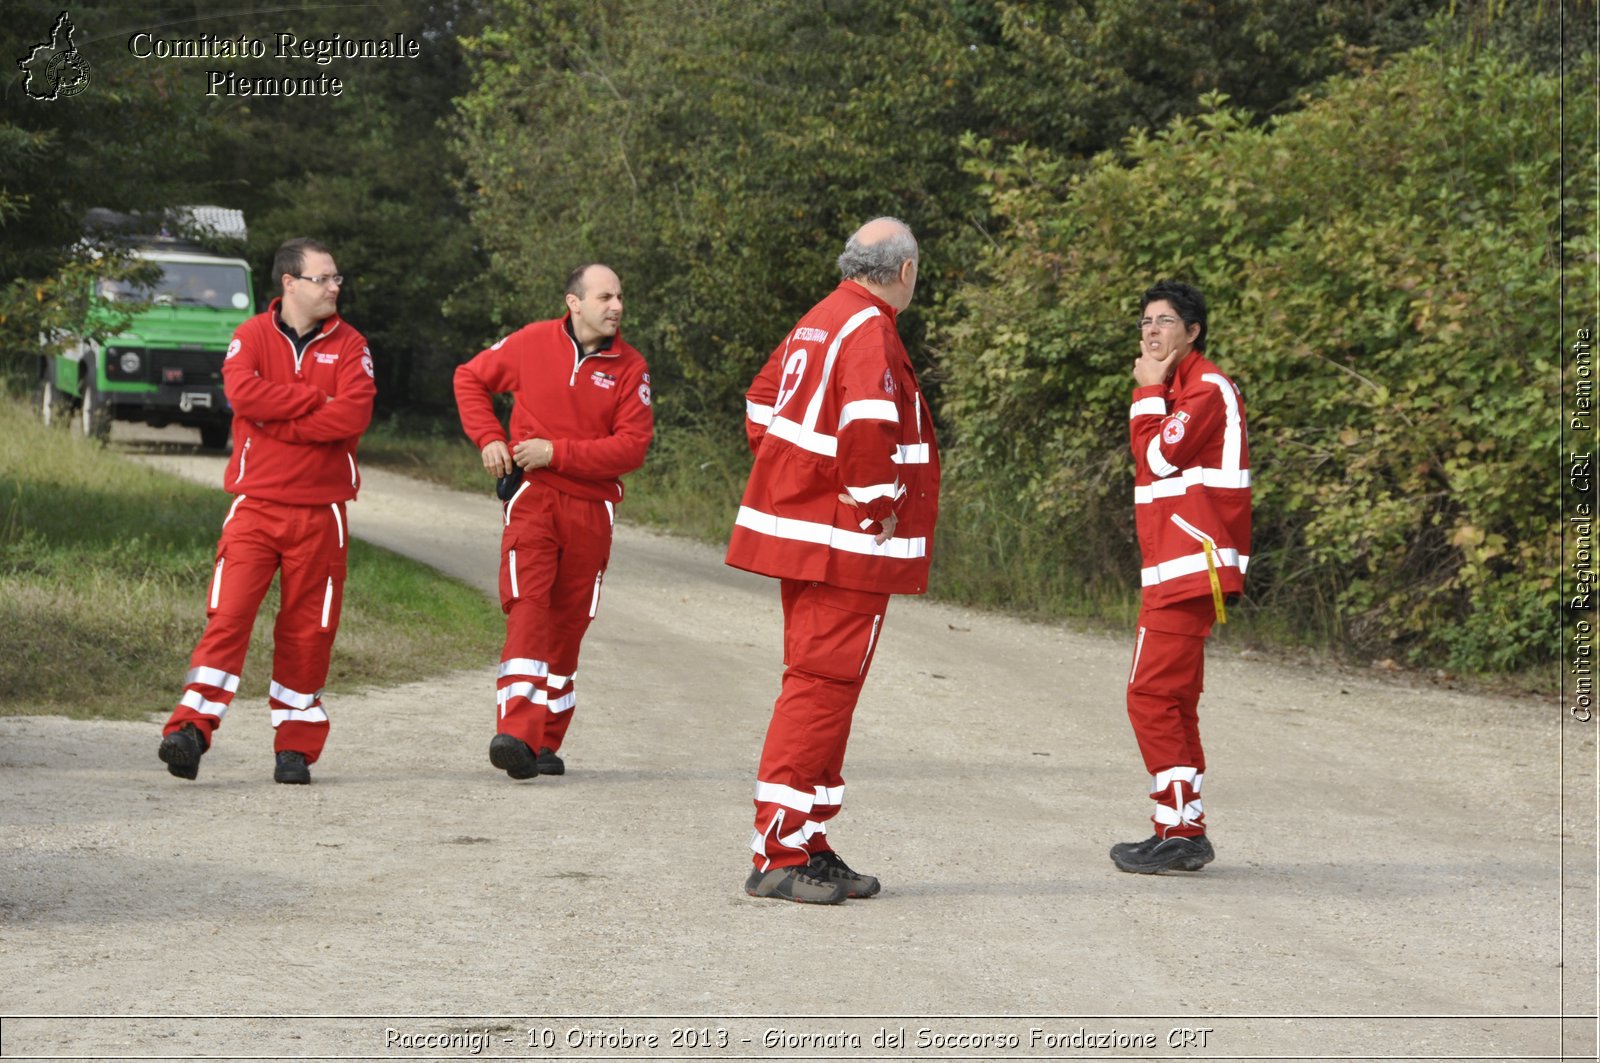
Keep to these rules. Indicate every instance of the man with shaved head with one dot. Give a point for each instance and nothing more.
(840, 508)
(581, 420)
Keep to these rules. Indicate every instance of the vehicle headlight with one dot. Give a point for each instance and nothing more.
(129, 362)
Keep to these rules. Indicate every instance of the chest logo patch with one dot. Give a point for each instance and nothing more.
(326, 357)
(1172, 431)
(794, 369)
(602, 379)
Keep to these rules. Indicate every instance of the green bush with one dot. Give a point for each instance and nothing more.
(1379, 271)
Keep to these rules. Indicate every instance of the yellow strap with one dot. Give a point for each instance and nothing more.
(1216, 585)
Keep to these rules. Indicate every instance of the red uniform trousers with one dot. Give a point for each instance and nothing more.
(829, 635)
(1164, 688)
(553, 558)
(260, 538)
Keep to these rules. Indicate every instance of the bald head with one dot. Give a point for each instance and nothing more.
(881, 256)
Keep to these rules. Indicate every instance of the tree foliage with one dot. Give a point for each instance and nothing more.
(1378, 268)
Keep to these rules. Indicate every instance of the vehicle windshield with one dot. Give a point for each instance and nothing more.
(221, 287)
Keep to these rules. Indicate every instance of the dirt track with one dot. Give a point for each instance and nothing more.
(1394, 876)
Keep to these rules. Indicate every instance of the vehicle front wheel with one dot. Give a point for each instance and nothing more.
(94, 414)
(214, 436)
(47, 401)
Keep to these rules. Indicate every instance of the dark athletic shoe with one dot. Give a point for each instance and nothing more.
(292, 768)
(830, 867)
(181, 751)
(1156, 854)
(512, 756)
(794, 884)
(549, 763)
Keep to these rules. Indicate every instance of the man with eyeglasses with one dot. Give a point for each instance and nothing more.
(1191, 499)
(581, 420)
(300, 383)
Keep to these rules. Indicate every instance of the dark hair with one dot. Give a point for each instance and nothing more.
(575, 284)
(291, 256)
(1186, 300)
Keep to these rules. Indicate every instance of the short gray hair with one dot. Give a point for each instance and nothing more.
(878, 263)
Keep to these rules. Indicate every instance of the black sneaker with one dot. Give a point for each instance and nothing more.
(292, 768)
(830, 867)
(511, 755)
(1156, 854)
(794, 884)
(181, 751)
(549, 763)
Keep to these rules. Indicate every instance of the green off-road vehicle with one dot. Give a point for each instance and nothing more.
(166, 366)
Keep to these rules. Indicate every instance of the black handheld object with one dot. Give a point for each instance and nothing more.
(506, 486)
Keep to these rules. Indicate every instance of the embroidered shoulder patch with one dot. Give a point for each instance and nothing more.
(1172, 431)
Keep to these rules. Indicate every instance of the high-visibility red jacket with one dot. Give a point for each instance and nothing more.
(1191, 483)
(297, 416)
(837, 409)
(594, 408)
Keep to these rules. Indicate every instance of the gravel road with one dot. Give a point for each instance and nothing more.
(1403, 870)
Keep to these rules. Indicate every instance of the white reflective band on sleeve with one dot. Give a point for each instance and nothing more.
(1163, 779)
(1157, 463)
(1177, 485)
(213, 677)
(193, 699)
(513, 501)
(523, 666)
(758, 413)
(1226, 557)
(876, 491)
(788, 796)
(830, 795)
(814, 408)
(511, 567)
(216, 583)
(293, 698)
(315, 715)
(338, 522)
(911, 454)
(803, 437)
(807, 531)
(327, 602)
(868, 410)
(1233, 430)
(1146, 407)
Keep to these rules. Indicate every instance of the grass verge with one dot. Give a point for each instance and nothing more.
(104, 565)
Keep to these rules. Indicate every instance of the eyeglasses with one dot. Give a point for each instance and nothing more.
(322, 278)
(1164, 321)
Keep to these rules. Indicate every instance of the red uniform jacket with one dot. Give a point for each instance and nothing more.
(837, 410)
(594, 408)
(297, 418)
(1191, 482)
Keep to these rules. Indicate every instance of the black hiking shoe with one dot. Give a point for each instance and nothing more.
(794, 884)
(511, 755)
(181, 751)
(830, 867)
(549, 763)
(291, 768)
(1156, 854)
